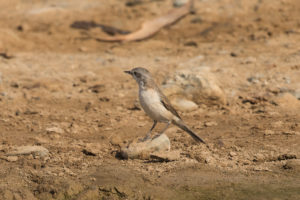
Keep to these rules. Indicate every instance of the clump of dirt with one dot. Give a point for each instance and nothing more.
(64, 92)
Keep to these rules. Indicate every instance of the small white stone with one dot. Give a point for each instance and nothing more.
(261, 168)
(184, 105)
(55, 130)
(277, 124)
(179, 3)
(12, 158)
(290, 133)
(269, 132)
(210, 123)
(232, 154)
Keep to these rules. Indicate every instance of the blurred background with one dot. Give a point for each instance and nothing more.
(230, 67)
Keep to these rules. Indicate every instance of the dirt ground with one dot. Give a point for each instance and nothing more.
(62, 89)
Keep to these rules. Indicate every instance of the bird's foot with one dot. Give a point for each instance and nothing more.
(156, 136)
(147, 137)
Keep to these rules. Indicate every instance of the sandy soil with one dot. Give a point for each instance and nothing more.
(63, 90)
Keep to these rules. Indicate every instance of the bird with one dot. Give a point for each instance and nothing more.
(156, 105)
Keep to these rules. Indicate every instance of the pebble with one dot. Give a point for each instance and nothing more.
(116, 140)
(68, 171)
(254, 79)
(249, 60)
(133, 2)
(277, 124)
(184, 105)
(290, 133)
(108, 129)
(191, 44)
(246, 162)
(210, 123)
(269, 132)
(261, 168)
(83, 49)
(179, 3)
(293, 164)
(210, 161)
(10, 158)
(197, 20)
(232, 154)
(23, 27)
(286, 157)
(89, 152)
(119, 108)
(55, 130)
(93, 179)
(259, 157)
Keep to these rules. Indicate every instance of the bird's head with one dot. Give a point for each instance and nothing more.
(141, 75)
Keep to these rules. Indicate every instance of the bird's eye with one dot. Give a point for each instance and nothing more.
(136, 74)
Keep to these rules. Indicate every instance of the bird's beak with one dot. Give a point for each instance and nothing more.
(128, 72)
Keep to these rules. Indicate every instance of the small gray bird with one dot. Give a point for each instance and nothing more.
(156, 104)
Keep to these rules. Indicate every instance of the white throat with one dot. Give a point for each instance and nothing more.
(141, 85)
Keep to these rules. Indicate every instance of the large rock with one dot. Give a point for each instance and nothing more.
(143, 150)
(293, 164)
(288, 101)
(197, 84)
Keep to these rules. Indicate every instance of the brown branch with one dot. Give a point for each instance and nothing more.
(149, 28)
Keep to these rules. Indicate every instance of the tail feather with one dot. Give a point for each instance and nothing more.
(181, 125)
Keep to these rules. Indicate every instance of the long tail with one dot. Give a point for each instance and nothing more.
(181, 125)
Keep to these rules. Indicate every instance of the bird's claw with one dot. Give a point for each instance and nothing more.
(147, 137)
(156, 136)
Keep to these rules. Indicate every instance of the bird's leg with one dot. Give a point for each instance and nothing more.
(167, 126)
(149, 132)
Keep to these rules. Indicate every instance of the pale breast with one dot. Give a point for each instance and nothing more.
(151, 103)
